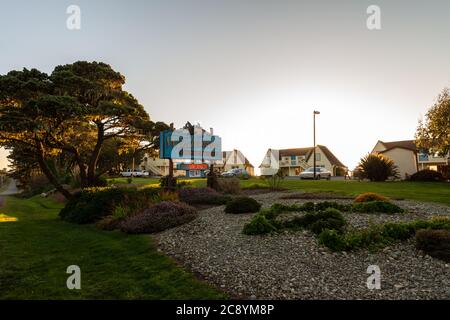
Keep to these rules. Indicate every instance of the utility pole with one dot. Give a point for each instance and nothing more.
(314, 137)
(170, 184)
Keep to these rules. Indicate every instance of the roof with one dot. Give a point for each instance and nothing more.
(246, 162)
(295, 152)
(307, 152)
(331, 157)
(404, 144)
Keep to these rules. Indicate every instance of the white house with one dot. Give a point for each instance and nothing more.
(408, 158)
(293, 161)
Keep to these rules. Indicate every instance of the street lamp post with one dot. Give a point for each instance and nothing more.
(314, 148)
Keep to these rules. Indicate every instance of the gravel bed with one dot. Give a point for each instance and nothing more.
(292, 265)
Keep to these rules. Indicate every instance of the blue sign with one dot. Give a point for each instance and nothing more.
(180, 144)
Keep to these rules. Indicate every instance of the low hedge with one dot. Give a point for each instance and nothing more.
(259, 225)
(242, 205)
(265, 221)
(435, 243)
(202, 196)
(376, 207)
(427, 176)
(91, 205)
(379, 236)
(159, 217)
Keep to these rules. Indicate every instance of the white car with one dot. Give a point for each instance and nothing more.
(135, 173)
(321, 173)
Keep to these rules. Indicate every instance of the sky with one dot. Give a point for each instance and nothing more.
(254, 70)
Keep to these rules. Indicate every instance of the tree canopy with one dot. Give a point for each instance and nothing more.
(433, 134)
(74, 111)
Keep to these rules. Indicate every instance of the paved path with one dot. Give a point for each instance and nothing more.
(11, 189)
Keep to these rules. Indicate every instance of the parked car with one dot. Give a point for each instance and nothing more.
(135, 173)
(321, 173)
(238, 173)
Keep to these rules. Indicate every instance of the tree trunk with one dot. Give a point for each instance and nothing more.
(91, 178)
(50, 176)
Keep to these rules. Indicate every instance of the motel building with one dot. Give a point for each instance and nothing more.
(409, 159)
(234, 159)
(293, 161)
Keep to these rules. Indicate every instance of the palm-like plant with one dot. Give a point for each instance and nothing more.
(377, 167)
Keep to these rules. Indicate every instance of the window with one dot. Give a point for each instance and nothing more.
(317, 156)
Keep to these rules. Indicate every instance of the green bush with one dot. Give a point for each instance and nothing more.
(379, 236)
(320, 206)
(332, 240)
(398, 231)
(259, 225)
(330, 224)
(91, 205)
(242, 205)
(311, 206)
(330, 218)
(229, 185)
(435, 243)
(427, 176)
(376, 207)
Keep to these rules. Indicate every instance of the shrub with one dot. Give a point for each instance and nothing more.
(229, 185)
(212, 181)
(427, 175)
(398, 231)
(370, 196)
(168, 182)
(90, 205)
(376, 207)
(320, 206)
(435, 243)
(331, 219)
(275, 181)
(208, 196)
(242, 205)
(377, 167)
(159, 217)
(379, 236)
(332, 240)
(259, 225)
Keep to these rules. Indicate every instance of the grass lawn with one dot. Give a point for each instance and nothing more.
(154, 182)
(421, 191)
(37, 248)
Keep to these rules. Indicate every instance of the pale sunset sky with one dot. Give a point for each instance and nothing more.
(254, 70)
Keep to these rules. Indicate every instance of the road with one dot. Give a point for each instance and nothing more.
(11, 189)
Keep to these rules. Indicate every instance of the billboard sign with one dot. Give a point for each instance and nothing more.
(181, 144)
